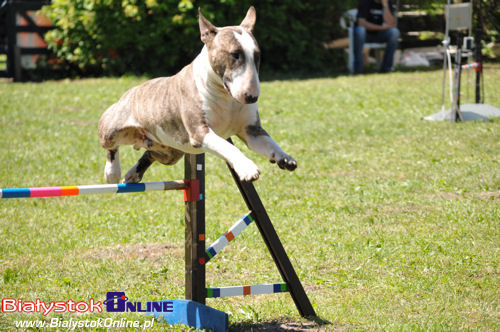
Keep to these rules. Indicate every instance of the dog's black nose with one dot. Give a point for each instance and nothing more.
(249, 99)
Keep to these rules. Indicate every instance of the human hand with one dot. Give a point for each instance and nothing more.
(387, 26)
(385, 3)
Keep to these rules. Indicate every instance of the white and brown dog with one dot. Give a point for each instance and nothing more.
(196, 110)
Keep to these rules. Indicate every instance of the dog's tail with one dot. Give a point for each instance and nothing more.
(112, 170)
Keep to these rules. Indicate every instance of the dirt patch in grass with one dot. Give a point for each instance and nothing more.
(371, 174)
(395, 209)
(446, 195)
(150, 251)
(20, 261)
(286, 326)
(487, 195)
(313, 288)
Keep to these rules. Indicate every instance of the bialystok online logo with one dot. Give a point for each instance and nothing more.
(18, 305)
(115, 302)
(118, 302)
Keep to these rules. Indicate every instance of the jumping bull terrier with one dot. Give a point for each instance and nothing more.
(196, 110)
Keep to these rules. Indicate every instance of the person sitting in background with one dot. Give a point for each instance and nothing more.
(375, 24)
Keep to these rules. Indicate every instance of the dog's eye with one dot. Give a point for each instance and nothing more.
(235, 55)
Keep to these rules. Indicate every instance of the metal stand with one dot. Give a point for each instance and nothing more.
(456, 115)
(459, 18)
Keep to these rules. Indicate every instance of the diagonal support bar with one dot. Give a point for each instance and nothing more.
(274, 245)
(224, 240)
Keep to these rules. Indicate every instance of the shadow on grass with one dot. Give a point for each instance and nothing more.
(313, 323)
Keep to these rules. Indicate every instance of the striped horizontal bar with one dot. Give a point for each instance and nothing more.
(224, 240)
(91, 189)
(471, 65)
(247, 290)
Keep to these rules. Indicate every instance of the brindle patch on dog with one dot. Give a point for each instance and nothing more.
(256, 130)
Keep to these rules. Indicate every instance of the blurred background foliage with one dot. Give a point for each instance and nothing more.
(158, 37)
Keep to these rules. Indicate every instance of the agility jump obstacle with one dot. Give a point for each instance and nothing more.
(196, 255)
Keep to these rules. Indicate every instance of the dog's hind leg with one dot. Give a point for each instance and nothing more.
(111, 139)
(112, 170)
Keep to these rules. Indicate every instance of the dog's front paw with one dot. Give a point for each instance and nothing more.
(132, 176)
(247, 171)
(287, 162)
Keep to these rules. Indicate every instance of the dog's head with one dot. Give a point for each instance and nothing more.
(235, 56)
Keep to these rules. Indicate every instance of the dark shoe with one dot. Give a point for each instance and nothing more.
(386, 70)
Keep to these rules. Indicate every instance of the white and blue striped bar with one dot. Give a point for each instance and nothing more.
(246, 290)
(91, 189)
(224, 240)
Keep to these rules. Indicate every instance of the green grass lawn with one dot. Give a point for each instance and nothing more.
(391, 222)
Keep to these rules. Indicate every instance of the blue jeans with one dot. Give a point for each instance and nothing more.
(390, 37)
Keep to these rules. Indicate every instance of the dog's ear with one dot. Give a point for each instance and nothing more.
(249, 21)
(207, 29)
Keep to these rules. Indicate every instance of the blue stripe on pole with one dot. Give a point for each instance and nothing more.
(16, 192)
(213, 292)
(277, 288)
(247, 219)
(211, 251)
(280, 288)
(131, 187)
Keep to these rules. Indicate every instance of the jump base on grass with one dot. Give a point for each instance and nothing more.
(470, 112)
(194, 314)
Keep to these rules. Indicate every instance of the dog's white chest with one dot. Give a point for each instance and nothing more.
(226, 119)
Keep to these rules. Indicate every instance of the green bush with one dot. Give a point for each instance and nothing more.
(118, 36)
(160, 36)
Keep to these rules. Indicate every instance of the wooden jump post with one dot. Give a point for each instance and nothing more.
(196, 254)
